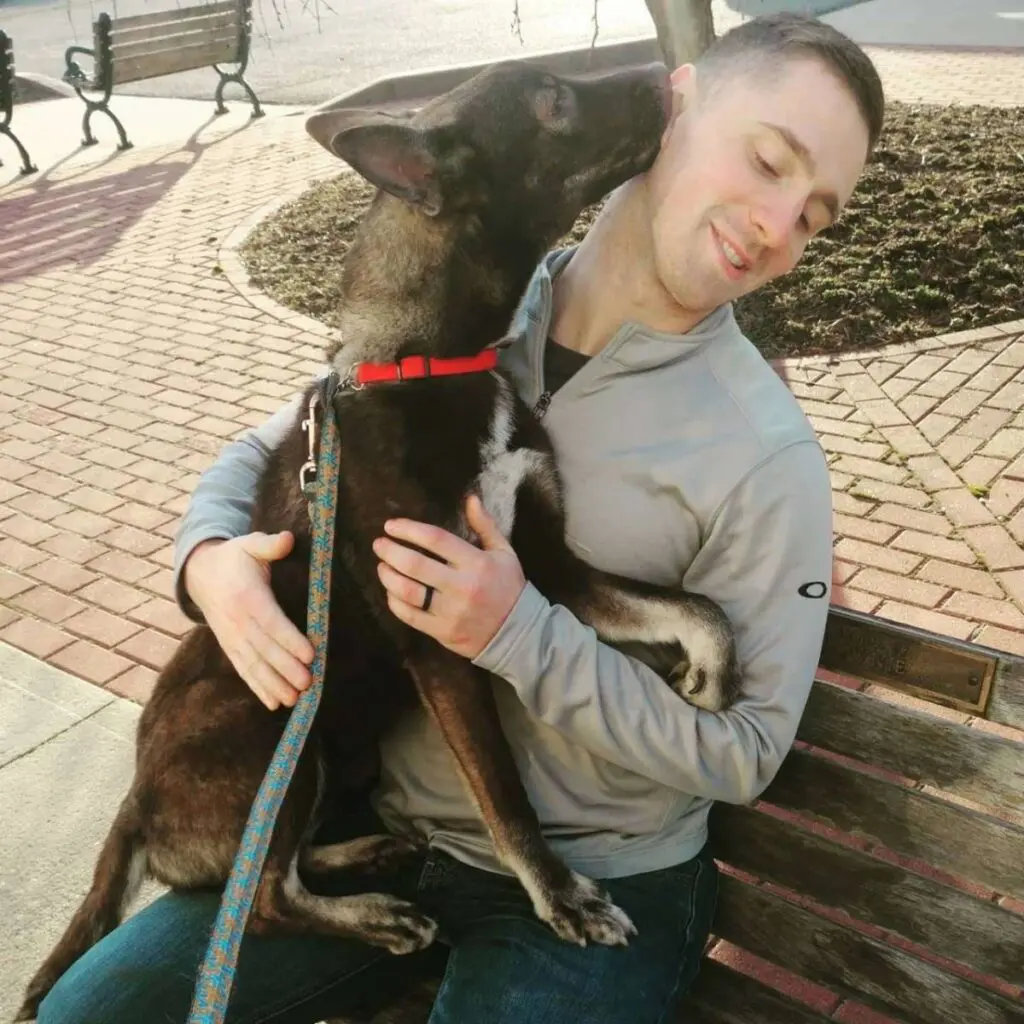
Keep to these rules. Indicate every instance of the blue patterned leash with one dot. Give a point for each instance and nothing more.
(319, 481)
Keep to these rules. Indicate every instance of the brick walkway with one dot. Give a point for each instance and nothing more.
(127, 359)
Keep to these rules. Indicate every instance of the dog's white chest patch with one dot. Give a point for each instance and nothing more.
(503, 471)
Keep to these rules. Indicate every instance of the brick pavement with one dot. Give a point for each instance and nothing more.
(127, 359)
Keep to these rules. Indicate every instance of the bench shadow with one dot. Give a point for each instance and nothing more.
(79, 218)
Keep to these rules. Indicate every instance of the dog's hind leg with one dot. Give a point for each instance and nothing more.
(461, 700)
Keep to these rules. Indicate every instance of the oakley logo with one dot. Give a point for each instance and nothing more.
(813, 590)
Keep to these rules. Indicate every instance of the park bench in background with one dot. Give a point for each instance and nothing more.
(151, 45)
(7, 87)
(880, 863)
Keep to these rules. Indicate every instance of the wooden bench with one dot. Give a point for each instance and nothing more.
(7, 88)
(152, 45)
(874, 864)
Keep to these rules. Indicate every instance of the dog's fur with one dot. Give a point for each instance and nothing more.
(474, 188)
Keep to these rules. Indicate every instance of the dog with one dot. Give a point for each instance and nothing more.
(473, 189)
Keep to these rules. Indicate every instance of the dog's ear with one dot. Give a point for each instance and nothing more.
(385, 150)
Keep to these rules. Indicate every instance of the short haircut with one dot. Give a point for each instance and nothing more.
(770, 40)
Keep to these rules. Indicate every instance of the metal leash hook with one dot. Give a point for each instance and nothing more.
(217, 973)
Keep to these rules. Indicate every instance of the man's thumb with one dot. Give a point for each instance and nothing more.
(269, 547)
(483, 525)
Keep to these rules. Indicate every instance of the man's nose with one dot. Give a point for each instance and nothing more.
(776, 220)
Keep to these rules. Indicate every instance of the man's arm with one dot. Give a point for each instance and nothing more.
(768, 561)
(222, 570)
(222, 503)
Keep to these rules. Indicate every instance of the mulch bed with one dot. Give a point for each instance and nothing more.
(932, 242)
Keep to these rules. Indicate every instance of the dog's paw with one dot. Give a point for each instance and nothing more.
(581, 911)
(396, 925)
(708, 676)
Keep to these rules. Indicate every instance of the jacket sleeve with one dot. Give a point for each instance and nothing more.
(222, 504)
(767, 560)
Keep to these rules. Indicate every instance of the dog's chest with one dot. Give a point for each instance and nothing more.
(503, 468)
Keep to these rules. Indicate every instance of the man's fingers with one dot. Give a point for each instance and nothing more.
(445, 545)
(428, 571)
(279, 661)
(410, 591)
(269, 547)
(268, 617)
(250, 666)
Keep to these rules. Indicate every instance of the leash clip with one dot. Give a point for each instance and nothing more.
(307, 474)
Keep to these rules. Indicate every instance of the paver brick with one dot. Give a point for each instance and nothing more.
(91, 662)
(34, 637)
(878, 557)
(925, 618)
(937, 547)
(149, 647)
(106, 629)
(136, 684)
(47, 604)
(900, 587)
(61, 574)
(984, 609)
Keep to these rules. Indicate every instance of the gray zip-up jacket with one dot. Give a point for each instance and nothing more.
(686, 461)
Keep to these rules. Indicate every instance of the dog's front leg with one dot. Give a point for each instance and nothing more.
(461, 701)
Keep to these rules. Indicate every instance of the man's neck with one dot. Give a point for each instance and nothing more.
(611, 279)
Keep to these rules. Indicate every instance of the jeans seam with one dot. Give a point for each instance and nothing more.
(672, 997)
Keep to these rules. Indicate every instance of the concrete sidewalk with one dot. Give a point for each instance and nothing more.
(66, 755)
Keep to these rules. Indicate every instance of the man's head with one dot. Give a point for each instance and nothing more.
(774, 125)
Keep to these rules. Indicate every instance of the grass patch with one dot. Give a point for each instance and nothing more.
(931, 242)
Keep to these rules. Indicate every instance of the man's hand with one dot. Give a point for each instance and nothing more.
(229, 581)
(474, 588)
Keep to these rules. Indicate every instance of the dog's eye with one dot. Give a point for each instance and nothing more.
(553, 102)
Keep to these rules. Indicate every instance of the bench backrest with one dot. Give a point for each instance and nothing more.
(6, 77)
(884, 860)
(181, 39)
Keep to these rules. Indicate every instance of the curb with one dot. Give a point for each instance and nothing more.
(423, 85)
(32, 88)
(236, 274)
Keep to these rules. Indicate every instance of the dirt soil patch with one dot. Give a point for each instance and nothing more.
(932, 242)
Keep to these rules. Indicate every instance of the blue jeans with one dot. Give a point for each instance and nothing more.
(500, 964)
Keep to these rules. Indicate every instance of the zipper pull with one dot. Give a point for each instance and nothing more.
(542, 405)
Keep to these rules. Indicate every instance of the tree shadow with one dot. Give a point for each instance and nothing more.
(78, 219)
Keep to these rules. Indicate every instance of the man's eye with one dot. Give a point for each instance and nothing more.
(765, 166)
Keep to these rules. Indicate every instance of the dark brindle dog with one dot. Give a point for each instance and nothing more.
(474, 188)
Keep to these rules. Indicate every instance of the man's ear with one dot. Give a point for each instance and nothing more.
(386, 150)
(684, 84)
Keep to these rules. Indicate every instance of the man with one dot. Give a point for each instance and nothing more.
(686, 460)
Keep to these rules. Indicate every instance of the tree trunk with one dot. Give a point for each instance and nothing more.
(686, 28)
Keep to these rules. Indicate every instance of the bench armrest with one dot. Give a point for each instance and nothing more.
(73, 74)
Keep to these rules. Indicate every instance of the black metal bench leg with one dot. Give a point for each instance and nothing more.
(226, 78)
(27, 167)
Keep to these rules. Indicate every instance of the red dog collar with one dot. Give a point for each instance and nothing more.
(420, 367)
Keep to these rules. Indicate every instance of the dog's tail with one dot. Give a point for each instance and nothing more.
(119, 873)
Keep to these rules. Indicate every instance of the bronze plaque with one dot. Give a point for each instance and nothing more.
(925, 665)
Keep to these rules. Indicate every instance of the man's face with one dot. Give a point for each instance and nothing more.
(747, 176)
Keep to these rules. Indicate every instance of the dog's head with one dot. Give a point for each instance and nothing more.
(518, 149)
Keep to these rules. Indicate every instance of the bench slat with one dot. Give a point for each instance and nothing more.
(966, 762)
(178, 30)
(172, 15)
(887, 979)
(1007, 704)
(724, 996)
(170, 61)
(153, 48)
(944, 920)
(963, 842)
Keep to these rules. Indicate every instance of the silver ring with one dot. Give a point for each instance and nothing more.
(427, 598)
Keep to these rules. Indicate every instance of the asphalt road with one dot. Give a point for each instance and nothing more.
(305, 52)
